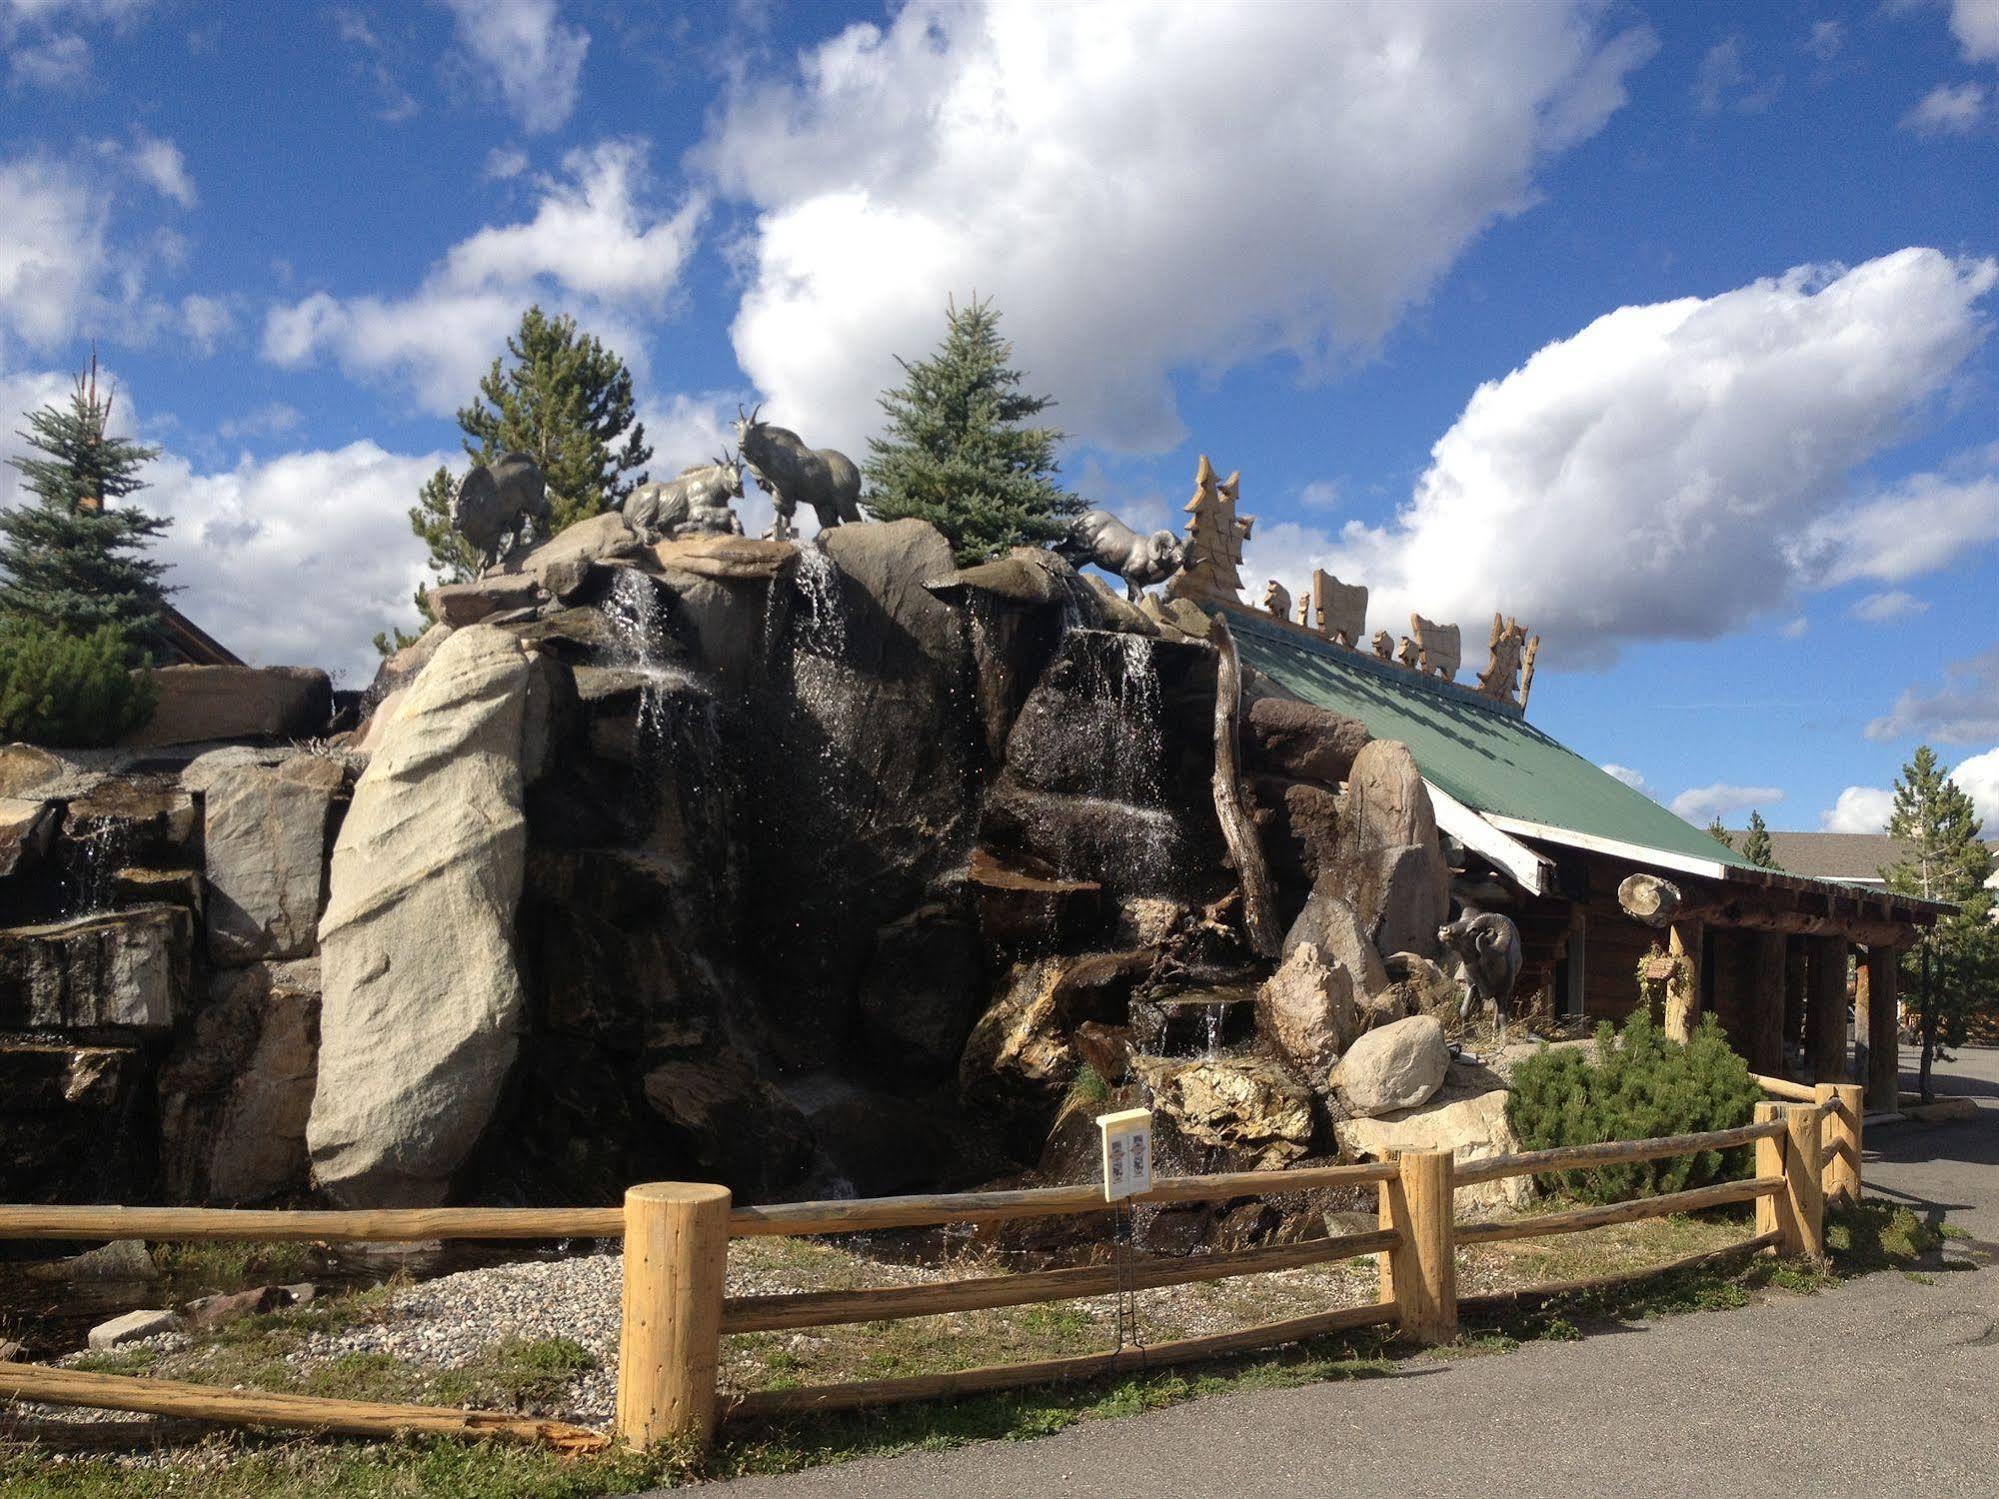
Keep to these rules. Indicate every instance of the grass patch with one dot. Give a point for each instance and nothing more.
(224, 1264)
(117, 1360)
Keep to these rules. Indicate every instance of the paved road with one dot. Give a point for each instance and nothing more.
(1882, 1386)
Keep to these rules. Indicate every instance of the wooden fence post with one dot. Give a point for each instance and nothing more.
(1420, 1275)
(676, 1260)
(1841, 1179)
(1798, 1211)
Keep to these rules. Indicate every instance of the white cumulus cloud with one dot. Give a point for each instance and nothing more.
(160, 164)
(1965, 710)
(1947, 109)
(1977, 776)
(1975, 23)
(52, 249)
(1859, 809)
(522, 50)
(1702, 804)
(1881, 608)
(1674, 469)
(1632, 778)
(594, 245)
(1093, 168)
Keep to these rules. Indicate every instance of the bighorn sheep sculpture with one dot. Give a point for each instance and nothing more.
(791, 473)
(694, 503)
(499, 506)
(1098, 537)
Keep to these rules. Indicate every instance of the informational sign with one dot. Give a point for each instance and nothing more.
(1127, 1152)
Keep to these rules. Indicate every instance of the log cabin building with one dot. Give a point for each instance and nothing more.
(1619, 901)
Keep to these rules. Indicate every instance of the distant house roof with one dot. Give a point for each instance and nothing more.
(187, 644)
(1482, 753)
(1850, 858)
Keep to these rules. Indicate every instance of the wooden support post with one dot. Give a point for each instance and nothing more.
(1825, 1012)
(676, 1260)
(1796, 1214)
(1794, 999)
(1766, 1004)
(1841, 1132)
(1420, 1275)
(1884, 1055)
(1683, 989)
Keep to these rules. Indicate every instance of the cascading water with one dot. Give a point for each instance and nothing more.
(811, 618)
(637, 618)
(100, 851)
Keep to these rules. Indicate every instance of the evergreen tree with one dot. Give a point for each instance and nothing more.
(451, 557)
(1953, 970)
(1719, 833)
(566, 401)
(74, 558)
(1756, 843)
(956, 452)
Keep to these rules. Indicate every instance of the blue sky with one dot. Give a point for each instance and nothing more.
(1666, 328)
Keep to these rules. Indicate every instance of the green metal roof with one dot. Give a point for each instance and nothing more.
(1483, 753)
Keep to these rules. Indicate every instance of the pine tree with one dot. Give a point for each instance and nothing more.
(74, 559)
(1953, 969)
(956, 452)
(1756, 843)
(1720, 834)
(566, 401)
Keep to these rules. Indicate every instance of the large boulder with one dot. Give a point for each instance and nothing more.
(1331, 924)
(265, 828)
(1301, 741)
(1399, 1066)
(1298, 826)
(27, 828)
(1390, 860)
(423, 1006)
(1252, 1109)
(28, 767)
(1470, 1123)
(562, 562)
(236, 1091)
(127, 970)
(1307, 1009)
(201, 703)
(458, 604)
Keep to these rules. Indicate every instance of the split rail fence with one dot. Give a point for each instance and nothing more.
(676, 1237)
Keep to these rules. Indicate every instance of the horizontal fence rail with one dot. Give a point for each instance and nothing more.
(675, 1308)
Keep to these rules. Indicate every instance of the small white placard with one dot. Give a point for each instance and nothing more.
(1127, 1152)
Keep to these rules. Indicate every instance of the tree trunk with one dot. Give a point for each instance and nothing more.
(1259, 898)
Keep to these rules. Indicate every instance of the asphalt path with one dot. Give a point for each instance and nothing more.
(1885, 1385)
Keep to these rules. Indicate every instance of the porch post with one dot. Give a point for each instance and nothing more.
(1884, 1066)
(1825, 1012)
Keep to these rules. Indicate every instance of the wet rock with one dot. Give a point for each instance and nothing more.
(208, 1311)
(458, 604)
(75, 1122)
(1019, 1060)
(237, 1089)
(726, 559)
(1298, 825)
(1250, 1108)
(921, 993)
(732, 1120)
(1307, 1009)
(1016, 904)
(1470, 1124)
(265, 841)
(1399, 1066)
(201, 703)
(881, 1143)
(562, 561)
(131, 1327)
(123, 969)
(122, 821)
(1301, 741)
(418, 1033)
(27, 829)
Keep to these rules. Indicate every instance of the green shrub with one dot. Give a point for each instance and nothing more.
(65, 689)
(1638, 1085)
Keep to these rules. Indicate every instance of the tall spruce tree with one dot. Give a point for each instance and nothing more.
(1717, 831)
(957, 452)
(565, 400)
(1953, 969)
(74, 559)
(1756, 843)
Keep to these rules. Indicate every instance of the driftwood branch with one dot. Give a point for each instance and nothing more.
(1259, 898)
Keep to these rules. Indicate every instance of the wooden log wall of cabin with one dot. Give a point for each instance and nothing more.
(1765, 1034)
(1825, 1010)
(1884, 1066)
(1732, 996)
(1795, 978)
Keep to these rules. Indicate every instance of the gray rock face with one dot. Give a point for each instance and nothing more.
(200, 703)
(423, 1004)
(1398, 1066)
(1470, 1124)
(1389, 856)
(236, 1092)
(1330, 924)
(458, 604)
(264, 843)
(598, 539)
(1302, 741)
(131, 1327)
(123, 969)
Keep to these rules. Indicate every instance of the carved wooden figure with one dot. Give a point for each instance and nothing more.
(1215, 534)
(1527, 670)
(1502, 667)
(1384, 645)
(1305, 609)
(1438, 649)
(1342, 608)
(1277, 599)
(1407, 653)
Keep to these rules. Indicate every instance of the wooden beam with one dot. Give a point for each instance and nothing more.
(1610, 1153)
(1884, 1057)
(1842, 1109)
(229, 1407)
(1577, 1220)
(386, 1225)
(1532, 872)
(1825, 1010)
(1650, 899)
(1259, 896)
